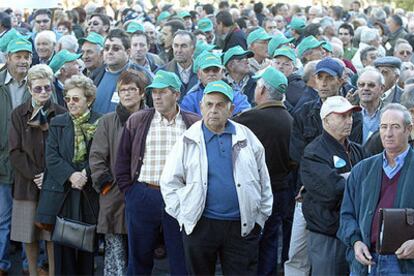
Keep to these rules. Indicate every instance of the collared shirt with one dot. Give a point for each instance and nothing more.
(255, 66)
(221, 202)
(16, 88)
(399, 163)
(370, 123)
(237, 85)
(184, 73)
(161, 137)
(387, 93)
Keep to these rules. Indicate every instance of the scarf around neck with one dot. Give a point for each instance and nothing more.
(83, 132)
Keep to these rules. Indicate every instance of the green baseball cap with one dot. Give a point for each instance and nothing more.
(219, 87)
(207, 59)
(202, 46)
(19, 44)
(205, 24)
(274, 78)
(164, 79)
(236, 51)
(258, 34)
(163, 16)
(184, 14)
(286, 52)
(276, 42)
(297, 24)
(134, 26)
(93, 38)
(309, 42)
(7, 37)
(327, 46)
(62, 57)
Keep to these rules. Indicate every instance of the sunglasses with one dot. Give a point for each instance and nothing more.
(44, 21)
(405, 53)
(39, 89)
(75, 99)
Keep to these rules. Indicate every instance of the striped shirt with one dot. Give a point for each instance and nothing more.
(161, 137)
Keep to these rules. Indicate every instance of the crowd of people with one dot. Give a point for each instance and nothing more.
(263, 138)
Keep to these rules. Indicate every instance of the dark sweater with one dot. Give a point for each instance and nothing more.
(272, 124)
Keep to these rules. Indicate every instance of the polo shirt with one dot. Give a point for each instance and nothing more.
(221, 202)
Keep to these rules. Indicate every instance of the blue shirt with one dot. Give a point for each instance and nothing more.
(370, 124)
(399, 162)
(106, 101)
(221, 202)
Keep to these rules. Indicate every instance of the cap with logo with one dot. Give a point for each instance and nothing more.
(274, 78)
(205, 25)
(309, 42)
(207, 59)
(7, 37)
(327, 46)
(258, 34)
(277, 41)
(62, 57)
(18, 45)
(286, 52)
(163, 16)
(219, 87)
(93, 38)
(330, 66)
(337, 104)
(134, 26)
(184, 14)
(236, 52)
(164, 79)
(297, 24)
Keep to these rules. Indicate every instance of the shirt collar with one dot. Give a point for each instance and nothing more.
(228, 129)
(161, 119)
(365, 112)
(182, 70)
(398, 160)
(387, 93)
(9, 78)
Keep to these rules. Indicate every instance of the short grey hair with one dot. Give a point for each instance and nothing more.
(39, 71)
(368, 35)
(309, 70)
(371, 69)
(272, 93)
(69, 42)
(48, 35)
(407, 98)
(83, 83)
(401, 108)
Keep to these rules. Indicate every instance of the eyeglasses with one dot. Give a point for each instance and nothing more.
(44, 21)
(39, 89)
(75, 99)
(405, 52)
(95, 23)
(131, 90)
(114, 48)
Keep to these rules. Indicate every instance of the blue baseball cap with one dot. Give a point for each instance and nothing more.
(330, 66)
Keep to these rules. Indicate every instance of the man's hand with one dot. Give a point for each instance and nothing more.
(362, 253)
(352, 96)
(78, 180)
(406, 250)
(38, 180)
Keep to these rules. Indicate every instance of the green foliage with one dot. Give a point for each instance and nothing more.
(407, 5)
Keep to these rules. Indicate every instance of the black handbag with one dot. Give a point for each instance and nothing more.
(74, 233)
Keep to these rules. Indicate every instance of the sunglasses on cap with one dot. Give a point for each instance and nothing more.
(39, 89)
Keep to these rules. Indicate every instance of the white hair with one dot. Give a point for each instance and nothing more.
(368, 35)
(48, 35)
(69, 42)
(90, 8)
(147, 24)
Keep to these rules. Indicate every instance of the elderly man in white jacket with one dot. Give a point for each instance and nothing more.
(216, 184)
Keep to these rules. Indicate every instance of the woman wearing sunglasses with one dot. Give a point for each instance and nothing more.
(67, 173)
(111, 220)
(27, 138)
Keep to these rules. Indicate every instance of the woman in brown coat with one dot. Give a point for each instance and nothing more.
(27, 137)
(111, 219)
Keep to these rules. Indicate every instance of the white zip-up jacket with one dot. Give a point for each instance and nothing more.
(184, 179)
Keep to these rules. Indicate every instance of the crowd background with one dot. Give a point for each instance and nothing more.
(72, 77)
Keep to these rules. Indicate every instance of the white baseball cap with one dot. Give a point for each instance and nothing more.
(337, 104)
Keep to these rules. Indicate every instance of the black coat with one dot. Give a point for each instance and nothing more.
(236, 37)
(59, 167)
(272, 124)
(308, 95)
(323, 182)
(295, 89)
